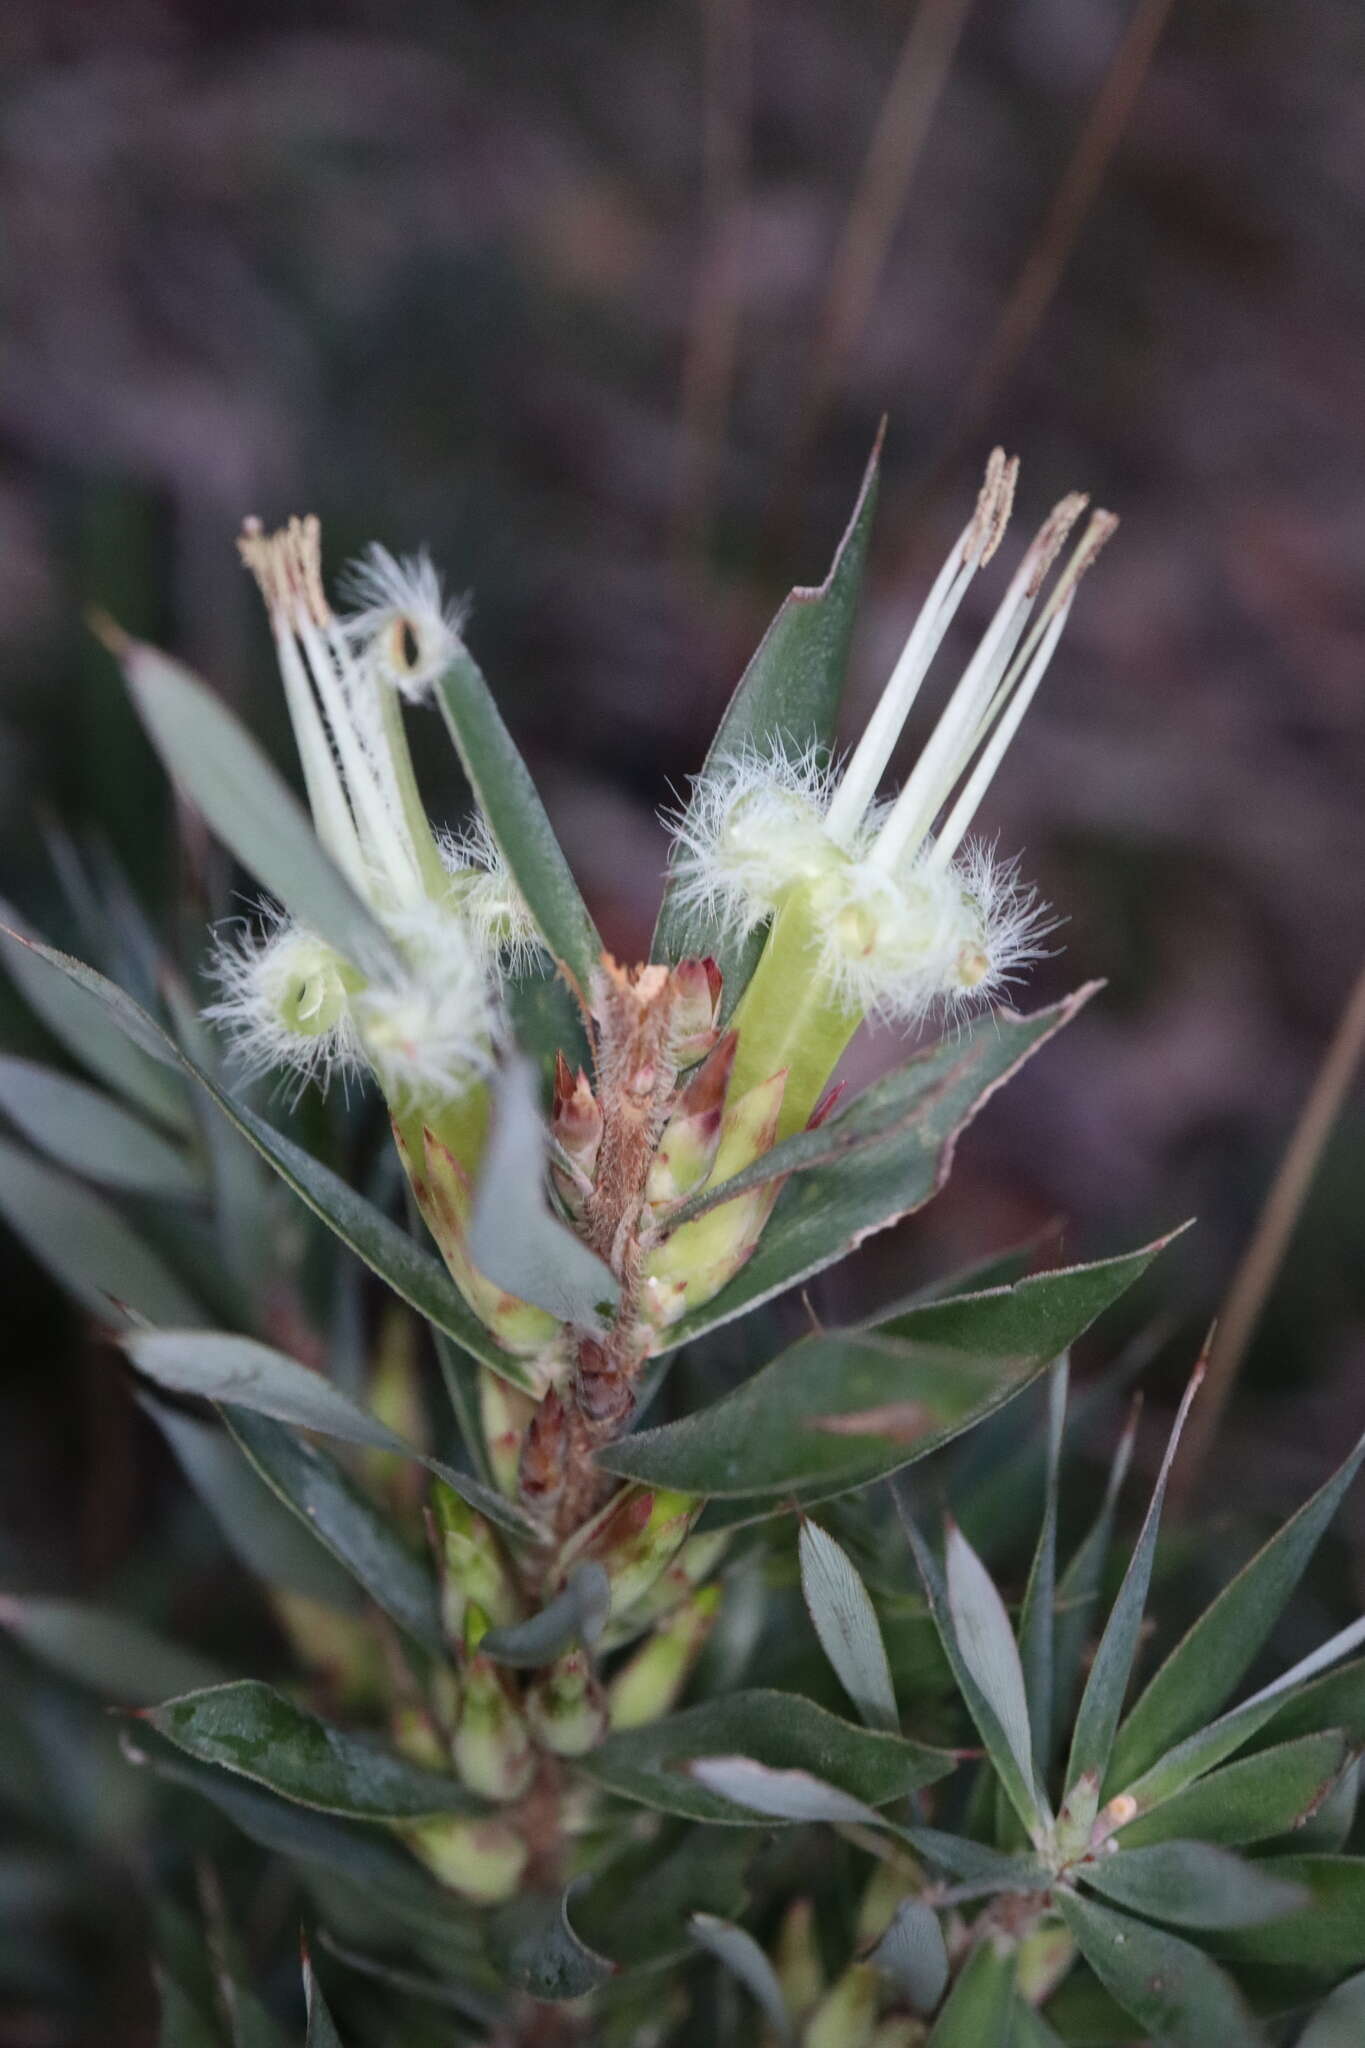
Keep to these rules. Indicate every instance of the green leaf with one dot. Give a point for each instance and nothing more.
(636, 1909)
(988, 1677)
(777, 1795)
(1340, 2022)
(413, 1274)
(533, 1948)
(781, 1730)
(1107, 1684)
(516, 817)
(1327, 1830)
(845, 1620)
(214, 761)
(264, 1535)
(894, 1163)
(1036, 1618)
(114, 1654)
(788, 697)
(322, 2032)
(1170, 1987)
(182, 2023)
(981, 2004)
(577, 1614)
(1247, 1801)
(251, 1729)
(1078, 1590)
(913, 1955)
(837, 1411)
(447, 1990)
(219, 1366)
(982, 1868)
(1206, 1665)
(314, 1488)
(84, 1129)
(1327, 1934)
(86, 1246)
(1191, 1884)
(514, 1236)
(741, 1955)
(132, 1057)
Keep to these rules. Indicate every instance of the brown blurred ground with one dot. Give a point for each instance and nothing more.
(463, 275)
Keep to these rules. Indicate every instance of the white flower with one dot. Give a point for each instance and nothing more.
(907, 912)
(283, 1001)
(403, 623)
(488, 899)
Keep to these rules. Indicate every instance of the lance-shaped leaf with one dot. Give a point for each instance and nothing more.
(1340, 2021)
(1250, 1800)
(533, 1947)
(447, 1990)
(245, 801)
(219, 1366)
(979, 1645)
(980, 2007)
(1170, 1987)
(1192, 1884)
(1078, 1589)
(1326, 1935)
(741, 1955)
(103, 1028)
(577, 1614)
(913, 1955)
(322, 2031)
(333, 1507)
(413, 1274)
(183, 2024)
(779, 1730)
(837, 1411)
(1207, 1663)
(264, 1535)
(115, 1655)
(514, 1237)
(845, 1620)
(1036, 1638)
(515, 815)
(636, 1910)
(84, 1129)
(778, 1795)
(86, 1246)
(835, 1201)
(254, 1731)
(1102, 1700)
(787, 698)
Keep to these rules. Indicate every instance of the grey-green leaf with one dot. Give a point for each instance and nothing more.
(322, 2031)
(86, 1245)
(1170, 1987)
(637, 1907)
(778, 1795)
(516, 817)
(845, 1620)
(1036, 1616)
(1203, 1668)
(1250, 1800)
(514, 1236)
(888, 1169)
(114, 1654)
(251, 1729)
(788, 697)
(1340, 2021)
(987, 1647)
(781, 1730)
(84, 1129)
(913, 1955)
(980, 2006)
(532, 1944)
(837, 1411)
(1191, 1884)
(1326, 1935)
(246, 803)
(577, 1614)
(741, 1955)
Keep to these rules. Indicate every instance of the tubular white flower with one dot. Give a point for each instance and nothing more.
(488, 899)
(906, 913)
(404, 624)
(283, 1001)
(428, 1031)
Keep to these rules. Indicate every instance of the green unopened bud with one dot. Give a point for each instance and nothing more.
(692, 1136)
(415, 1736)
(490, 1747)
(483, 1860)
(505, 1413)
(471, 1564)
(635, 1537)
(565, 1709)
(888, 1885)
(796, 1958)
(846, 2016)
(649, 1684)
(1045, 1957)
(335, 1649)
(697, 1260)
(576, 1125)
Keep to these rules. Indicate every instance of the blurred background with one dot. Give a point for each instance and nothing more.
(602, 302)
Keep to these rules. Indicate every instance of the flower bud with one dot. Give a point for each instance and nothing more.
(576, 1126)
(846, 2016)
(471, 1564)
(490, 1747)
(696, 1004)
(540, 1472)
(565, 1709)
(635, 1536)
(649, 1684)
(796, 1958)
(900, 2030)
(505, 1413)
(692, 1135)
(335, 1649)
(697, 1260)
(887, 1886)
(444, 1195)
(415, 1736)
(483, 1860)
(1045, 1957)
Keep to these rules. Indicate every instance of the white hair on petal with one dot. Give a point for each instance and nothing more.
(887, 943)
(489, 899)
(752, 826)
(1004, 923)
(282, 1001)
(402, 626)
(427, 1028)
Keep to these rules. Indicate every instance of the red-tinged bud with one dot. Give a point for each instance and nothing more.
(505, 1413)
(696, 1005)
(540, 1474)
(796, 1958)
(692, 1135)
(648, 1685)
(695, 1261)
(576, 1125)
(470, 1563)
(635, 1537)
(416, 1736)
(490, 1746)
(565, 1710)
(846, 2016)
(605, 1396)
(482, 1860)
